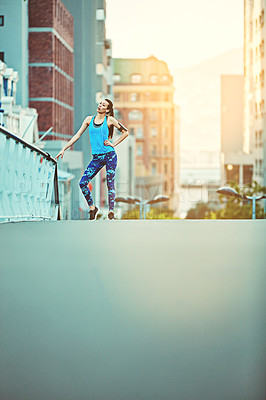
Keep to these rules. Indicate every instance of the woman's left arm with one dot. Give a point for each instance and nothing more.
(121, 128)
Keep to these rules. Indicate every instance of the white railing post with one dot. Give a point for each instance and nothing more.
(27, 180)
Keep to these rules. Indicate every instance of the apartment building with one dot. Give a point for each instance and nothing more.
(254, 87)
(143, 96)
(236, 166)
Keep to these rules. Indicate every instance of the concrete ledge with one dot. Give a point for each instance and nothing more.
(133, 310)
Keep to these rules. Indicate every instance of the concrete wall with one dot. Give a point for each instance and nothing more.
(133, 310)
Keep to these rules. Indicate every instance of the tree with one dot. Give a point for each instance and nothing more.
(237, 208)
(154, 213)
(200, 211)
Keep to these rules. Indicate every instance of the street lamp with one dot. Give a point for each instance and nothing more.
(157, 199)
(142, 203)
(227, 191)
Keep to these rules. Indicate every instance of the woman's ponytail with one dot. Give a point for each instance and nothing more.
(110, 113)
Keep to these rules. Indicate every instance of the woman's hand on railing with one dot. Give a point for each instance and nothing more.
(61, 153)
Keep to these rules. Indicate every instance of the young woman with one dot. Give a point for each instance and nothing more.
(101, 127)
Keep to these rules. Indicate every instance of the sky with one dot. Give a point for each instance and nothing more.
(181, 32)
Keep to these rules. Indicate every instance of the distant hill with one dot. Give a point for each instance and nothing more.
(197, 91)
(231, 62)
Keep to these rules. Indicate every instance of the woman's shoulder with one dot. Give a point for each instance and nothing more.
(88, 119)
(110, 120)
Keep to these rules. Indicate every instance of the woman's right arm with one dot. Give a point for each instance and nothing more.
(83, 127)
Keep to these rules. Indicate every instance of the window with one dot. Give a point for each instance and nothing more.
(118, 115)
(260, 139)
(139, 150)
(166, 97)
(153, 168)
(131, 131)
(262, 19)
(1, 20)
(117, 96)
(98, 97)
(154, 78)
(154, 149)
(100, 15)
(154, 97)
(153, 131)
(165, 168)
(165, 132)
(134, 96)
(2, 56)
(99, 69)
(153, 115)
(260, 168)
(136, 78)
(165, 186)
(165, 78)
(139, 132)
(165, 150)
(117, 78)
(56, 8)
(135, 115)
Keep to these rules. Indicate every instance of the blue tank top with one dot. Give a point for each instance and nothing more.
(98, 134)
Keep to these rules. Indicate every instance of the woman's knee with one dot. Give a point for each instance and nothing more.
(82, 183)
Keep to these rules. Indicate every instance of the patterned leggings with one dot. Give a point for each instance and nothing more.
(100, 160)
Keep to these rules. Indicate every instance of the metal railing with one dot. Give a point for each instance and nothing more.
(28, 181)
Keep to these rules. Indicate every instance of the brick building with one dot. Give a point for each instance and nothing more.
(51, 66)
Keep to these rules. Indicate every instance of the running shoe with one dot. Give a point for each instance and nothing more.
(111, 215)
(94, 213)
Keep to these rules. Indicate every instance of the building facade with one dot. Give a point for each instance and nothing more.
(51, 74)
(254, 88)
(36, 38)
(143, 95)
(22, 121)
(236, 166)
